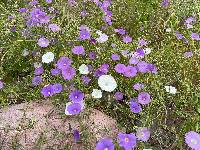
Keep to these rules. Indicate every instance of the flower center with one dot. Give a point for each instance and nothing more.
(49, 92)
(126, 139)
(75, 110)
(194, 141)
(76, 96)
(105, 148)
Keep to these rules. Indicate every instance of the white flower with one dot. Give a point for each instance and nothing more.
(147, 51)
(168, 30)
(171, 89)
(102, 38)
(25, 53)
(99, 32)
(37, 65)
(96, 93)
(107, 83)
(48, 57)
(83, 69)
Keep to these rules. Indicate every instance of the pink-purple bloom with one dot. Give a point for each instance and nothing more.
(142, 42)
(54, 27)
(43, 42)
(63, 62)
(130, 71)
(120, 31)
(76, 96)
(195, 36)
(188, 54)
(133, 60)
(119, 96)
(115, 57)
(37, 80)
(120, 68)
(1, 84)
(57, 88)
(77, 135)
(144, 98)
(127, 39)
(84, 33)
(143, 134)
(55, 72)
(38, 71)
(85, 80)
(192, 139)
(142, 67)
(74, 108)
(47, 90)
(78, 50)
(68, 73)
(135, 107)
(127, 141)
(105, 144)
(92, 55)
(138, 86)
(165, 3)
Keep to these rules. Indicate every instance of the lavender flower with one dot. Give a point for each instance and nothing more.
(179, 36)
(63, 63)
(142, 42)
(115, 57)
(73, 109)
(55, 72)
(84, 33)
(120, 68)
(120, 31)
(142, 67)
(68, 73)
(1, 84)
(192, 139)
(57, 88)
(130, 71)
(78, 50)
(49, 1)
(138, 86)
(127, 141)
(36, 80)
(85, 80)
(144, 98)
(22, 10)
(119, 96)
(135, 107)
(54, 27)
(43, 42)
(47, 90)
(133, 60)
(127, 39)
(195, 36)
(76, 135)
(188, 54)
(165, 3)
(38, 71)
(76, 96)
(143, 134)
(92, 55)
(104, 68)
(105, 144)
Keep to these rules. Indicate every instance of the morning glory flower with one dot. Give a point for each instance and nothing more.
(119, 96)
(68, 73)
(83, 69)
(48, 57)
(47, 90)
(107, 83)
(105, 144)
(43, 42)
(143, 134)
(96, 93)
(73, 108)
(192, 139)
(144, 98)
(78, 50)
(76, 96)
(1, 84)
(127, 141)
(54, 27)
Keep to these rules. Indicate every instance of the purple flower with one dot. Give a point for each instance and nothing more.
(189, 20)
(49, 1)
(78, 50)
(127, 141)
(74, 108)
(68, 73)
(57, 88)
(142, 67)
(34, 2)
(54, 27)
(38, 71)
(140, 52)
(1, 84)
(98, 73)
(55, 72)
(119, 96)
(179, 36)
(188, 54)
(120, 31)
(92, 55)
(43, 42)
(192, 139)
(152, 68)
(93, 41)
(76, 96)
(104, 68)
(108, 20)
(138, 86)
(85, 79)
(133, 60)
(47, 91)
(142, 134)
(165, 3)
(115, 57)
(127, 39)
(22, 10)
(142, 42)
(195, 36)
(76, 135)
(135, 107)
(120, 68)
(144, 98)
(64, 63)
(84, 33)
(113, 45)
(36, 80)
(105, 144)
(130, 71)
(83, 13)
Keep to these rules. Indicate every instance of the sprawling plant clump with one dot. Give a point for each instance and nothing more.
(137, 61)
